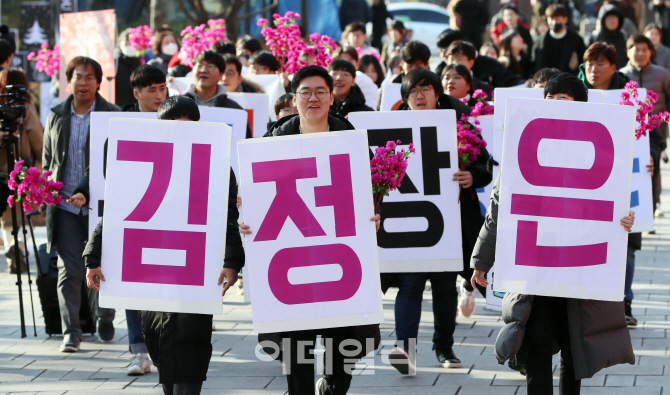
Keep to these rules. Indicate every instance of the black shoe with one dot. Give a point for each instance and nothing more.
(447, 358)
(628, 311)
(106, 331)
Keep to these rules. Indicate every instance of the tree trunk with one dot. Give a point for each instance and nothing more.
(158, 13)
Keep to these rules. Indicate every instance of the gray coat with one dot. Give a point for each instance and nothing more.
(56, 143)
(662, 56)
(598, 333)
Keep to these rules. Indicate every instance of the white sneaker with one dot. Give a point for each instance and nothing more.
(139, 365)
(466, 302)
(402, 362)
(659, 213)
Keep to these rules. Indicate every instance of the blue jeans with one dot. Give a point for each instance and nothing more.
(135, 337)
(630, 272)
(408, 307)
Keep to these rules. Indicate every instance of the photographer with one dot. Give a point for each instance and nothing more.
(30, 150)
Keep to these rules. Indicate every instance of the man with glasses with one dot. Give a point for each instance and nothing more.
(314, 96)
(208, 69)
(66, 154)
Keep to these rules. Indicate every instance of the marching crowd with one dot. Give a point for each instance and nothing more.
(542, 52)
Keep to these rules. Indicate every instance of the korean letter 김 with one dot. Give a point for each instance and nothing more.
(312, 256)
(166, 201)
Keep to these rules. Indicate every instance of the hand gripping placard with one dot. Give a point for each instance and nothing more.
(194, 243)
(528, 253)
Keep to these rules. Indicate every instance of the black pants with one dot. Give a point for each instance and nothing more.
(182, 388)
(548, 322)
(337, 371)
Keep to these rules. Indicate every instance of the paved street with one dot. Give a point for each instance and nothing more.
(34, 366)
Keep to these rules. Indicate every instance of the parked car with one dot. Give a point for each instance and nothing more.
(423, 21)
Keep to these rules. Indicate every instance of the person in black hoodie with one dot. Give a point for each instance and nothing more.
(180, 344)
(611, 21)
(313, 98)
(348, 96)
(484, 68)
(559, 47)
(421, 90)
(126, 62)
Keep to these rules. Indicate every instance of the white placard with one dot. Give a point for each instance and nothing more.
(256, 106)
(178, 202)
(421, 229)
(179, 85)
(501, 95)
(641, 200)
(99, 131)
(484, 194)
(273, 86)
(233, 117)
(312, 257)
(493, 298)
(391, 97)
(558, 227)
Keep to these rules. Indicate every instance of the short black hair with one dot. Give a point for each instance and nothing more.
(234, 60)
(211, 57)
(83, 61)
(448, 36)
(544, 75)
(178, 107)
(311, 71)
(224, 48)
(567, 84)
(555, 10)
(146, 75)
(397, 25)
(420, 77)
(6, 50)
(415, 51)
(357, 27)
(284, 101)
(463, 47)
(342, 65)
(251, 44)
(265, 58)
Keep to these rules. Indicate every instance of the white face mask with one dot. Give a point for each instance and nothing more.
(129, 51)
(170, 49)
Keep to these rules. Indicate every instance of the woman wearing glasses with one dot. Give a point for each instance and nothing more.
(422, 90)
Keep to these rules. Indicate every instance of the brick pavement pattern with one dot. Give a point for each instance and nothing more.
(35, 366)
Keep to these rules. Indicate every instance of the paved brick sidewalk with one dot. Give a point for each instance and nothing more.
(34, 366)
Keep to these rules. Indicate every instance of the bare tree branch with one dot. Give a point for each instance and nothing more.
(185, 11)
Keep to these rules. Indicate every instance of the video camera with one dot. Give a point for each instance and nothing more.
(13, 107)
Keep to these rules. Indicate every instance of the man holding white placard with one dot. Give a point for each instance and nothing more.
(146, 273)
(288, 231)
(592, 334)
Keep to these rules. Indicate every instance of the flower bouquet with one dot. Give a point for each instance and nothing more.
(200, 38)
(645, 119)
(140, 39)
(32, 186)
(388, 168)
(46, 60)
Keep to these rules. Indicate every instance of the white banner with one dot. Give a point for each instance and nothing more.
(501, 95)
(273, 86)
(421, 221)
(237, 119)
(391, 97)
(641, 200)
(99, 130)
(493, 298)
(256, 106)
(484, 194)
(166, 208)
(179, 85)
(565, 184)
(312, 256)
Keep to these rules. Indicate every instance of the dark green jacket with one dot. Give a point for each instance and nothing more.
(618, 81)
(56, 144)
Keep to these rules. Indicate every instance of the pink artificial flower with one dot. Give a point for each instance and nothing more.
(261, 22)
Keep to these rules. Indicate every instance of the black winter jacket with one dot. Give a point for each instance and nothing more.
(354, 102)
(490, 71)
(124, 68)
